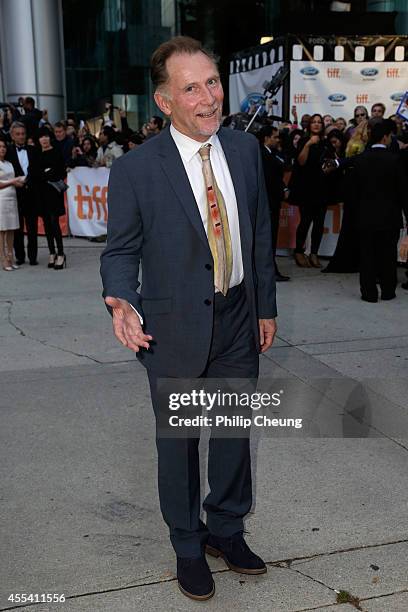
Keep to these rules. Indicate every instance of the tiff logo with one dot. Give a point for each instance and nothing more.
(393, 73)
(362, 98)
(91, 200)
(300, 98)
(333, 73)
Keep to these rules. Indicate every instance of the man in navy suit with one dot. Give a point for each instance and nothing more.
(181, 323)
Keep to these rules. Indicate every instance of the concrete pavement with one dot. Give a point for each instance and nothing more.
(78, 501)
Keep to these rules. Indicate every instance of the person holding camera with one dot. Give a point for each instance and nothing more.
(85, 154)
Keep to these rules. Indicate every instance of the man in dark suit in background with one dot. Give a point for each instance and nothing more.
(31, 118)
(274, 166)
(63, 142)
(381, 192)
(191, 206)
(24, 160)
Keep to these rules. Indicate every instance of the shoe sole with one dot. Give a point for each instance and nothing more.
(197, 597)
(240, 570)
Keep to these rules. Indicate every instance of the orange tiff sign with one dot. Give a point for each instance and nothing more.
(91, 201)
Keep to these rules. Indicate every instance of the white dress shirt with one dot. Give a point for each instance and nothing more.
(23, 160)
(188, 149)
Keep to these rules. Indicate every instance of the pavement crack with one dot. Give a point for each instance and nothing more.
(339, 551)
(9, 306)
(282, 563)
(20, 331)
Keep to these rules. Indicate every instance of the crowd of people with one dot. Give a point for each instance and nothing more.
(362, 164)
(311, 163)
(35, 157)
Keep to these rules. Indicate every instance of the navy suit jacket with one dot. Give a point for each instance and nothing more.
(154, 221)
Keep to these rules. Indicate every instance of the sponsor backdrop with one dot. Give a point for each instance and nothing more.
(336, 88)
(330, 75)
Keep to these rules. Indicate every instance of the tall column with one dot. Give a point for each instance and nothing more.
(32, 53)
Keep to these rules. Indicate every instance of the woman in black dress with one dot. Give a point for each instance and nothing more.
(51, 200)
(308, 187)
(347, 253)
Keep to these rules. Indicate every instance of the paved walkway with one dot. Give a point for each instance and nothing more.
(78, 501)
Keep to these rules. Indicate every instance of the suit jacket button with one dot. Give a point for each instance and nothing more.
(208, 266)
(207, 302)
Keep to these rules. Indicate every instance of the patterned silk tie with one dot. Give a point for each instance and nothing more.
(218, 232)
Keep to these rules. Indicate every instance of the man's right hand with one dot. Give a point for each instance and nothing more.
(126, 325)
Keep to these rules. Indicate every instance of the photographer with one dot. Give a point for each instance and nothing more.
(85, 154)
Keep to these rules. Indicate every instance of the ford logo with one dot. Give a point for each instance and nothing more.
(309, 71)
(369, 72)
(397, 97)
(337, 97)
(251, 99)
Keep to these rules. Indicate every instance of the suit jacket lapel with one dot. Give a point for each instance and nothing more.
(174, 169)
(237, 172)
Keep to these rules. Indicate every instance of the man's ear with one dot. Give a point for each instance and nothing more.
(163, 102)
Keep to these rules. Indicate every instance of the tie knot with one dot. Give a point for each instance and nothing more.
(205, 152)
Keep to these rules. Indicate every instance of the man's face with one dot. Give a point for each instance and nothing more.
(273, 140)
(18, 136)
(103, 139)
(60, 133)
(192, 96)
(377, 111)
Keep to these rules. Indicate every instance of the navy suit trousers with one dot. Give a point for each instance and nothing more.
(233, 354)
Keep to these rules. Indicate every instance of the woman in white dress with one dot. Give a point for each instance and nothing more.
(8, 209)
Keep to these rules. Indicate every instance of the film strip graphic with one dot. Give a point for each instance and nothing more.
(322, 48)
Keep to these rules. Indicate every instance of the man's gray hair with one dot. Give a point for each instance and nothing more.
(17, 124)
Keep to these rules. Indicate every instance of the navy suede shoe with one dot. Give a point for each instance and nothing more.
(236, 554)
(194, 578)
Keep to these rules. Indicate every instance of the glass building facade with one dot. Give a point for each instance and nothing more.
(108, 44)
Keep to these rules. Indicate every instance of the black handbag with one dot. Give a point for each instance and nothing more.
(60, 185)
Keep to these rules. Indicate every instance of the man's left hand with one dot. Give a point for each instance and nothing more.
(267, 331)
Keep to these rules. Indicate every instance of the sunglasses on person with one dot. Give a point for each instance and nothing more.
(360, 115)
